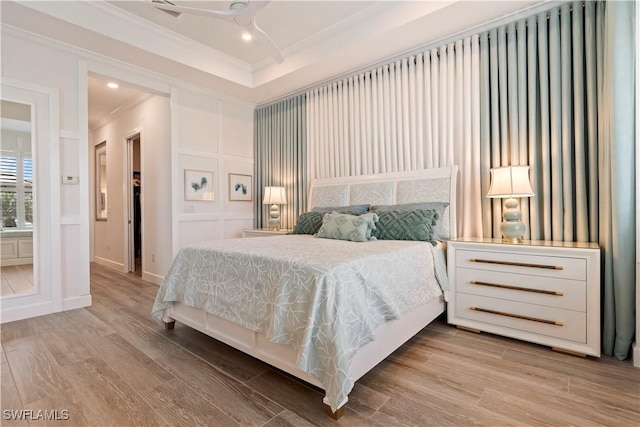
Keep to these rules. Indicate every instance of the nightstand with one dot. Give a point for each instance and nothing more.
(538, 291)
(265, 232)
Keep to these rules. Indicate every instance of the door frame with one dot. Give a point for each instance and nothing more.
(47, 259)
(130, 256)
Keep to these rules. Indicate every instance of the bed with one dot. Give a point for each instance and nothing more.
(324, 310)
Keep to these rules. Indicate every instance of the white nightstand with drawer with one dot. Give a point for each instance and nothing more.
(264, 232)
(537, 291)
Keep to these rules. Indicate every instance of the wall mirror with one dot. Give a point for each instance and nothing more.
(31, 248)
(16, 192)
(101, 181)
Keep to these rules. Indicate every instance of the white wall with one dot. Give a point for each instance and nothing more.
(190, 127)
(16, 140)
(151, 118)
(28, 60)
(212, 135)
(208, 134)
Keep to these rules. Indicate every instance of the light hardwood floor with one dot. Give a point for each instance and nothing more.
(16, 279)
(112, 365)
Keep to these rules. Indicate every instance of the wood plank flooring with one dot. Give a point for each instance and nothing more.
(112, 365)
(16, 279)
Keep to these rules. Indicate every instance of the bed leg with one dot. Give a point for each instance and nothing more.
(335, 415)
(169, 322)
(169, 325)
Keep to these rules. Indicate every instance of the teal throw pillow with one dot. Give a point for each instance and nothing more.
(308, 223)
(417, 224)
(440, 232)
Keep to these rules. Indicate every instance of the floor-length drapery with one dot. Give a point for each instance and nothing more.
(617, 177)
(552, 91)
(422, 111)
(553, 98)
(280, 150)
(539, 92)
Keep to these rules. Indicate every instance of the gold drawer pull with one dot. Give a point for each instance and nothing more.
(517, 288)
(517, 316)
(517, 264)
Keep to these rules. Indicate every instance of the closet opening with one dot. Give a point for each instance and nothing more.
(134, 198)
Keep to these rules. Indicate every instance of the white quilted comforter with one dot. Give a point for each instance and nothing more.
(323, 297)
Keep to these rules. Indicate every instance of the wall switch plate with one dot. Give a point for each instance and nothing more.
(189, 209)
(69, 179)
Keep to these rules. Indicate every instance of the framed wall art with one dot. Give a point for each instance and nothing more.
(198, 185)
(240, 188)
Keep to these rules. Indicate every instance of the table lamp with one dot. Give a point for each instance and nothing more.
(507, 183)
(274, 196)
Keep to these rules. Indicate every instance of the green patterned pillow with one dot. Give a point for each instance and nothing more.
(344, 227)
(308, 223)
(440, 231)
(417, 224)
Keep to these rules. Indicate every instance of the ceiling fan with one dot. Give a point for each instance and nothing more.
(241, 12)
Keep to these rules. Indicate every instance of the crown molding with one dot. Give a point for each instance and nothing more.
(111, 21)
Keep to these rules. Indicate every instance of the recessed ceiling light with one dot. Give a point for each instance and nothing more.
(112, 85)
(246, 36)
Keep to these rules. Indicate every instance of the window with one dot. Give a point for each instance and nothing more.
(16, 190)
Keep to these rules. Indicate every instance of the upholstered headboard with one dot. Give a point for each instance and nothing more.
(427, 185)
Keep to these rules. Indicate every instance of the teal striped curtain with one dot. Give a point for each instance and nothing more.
(280, 152)
(549, 99)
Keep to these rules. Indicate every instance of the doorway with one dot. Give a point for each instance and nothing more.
(134, 197)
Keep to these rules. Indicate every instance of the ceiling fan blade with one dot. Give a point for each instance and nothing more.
(253, 6)
(245, 11)
(243, 16)
(169, 7)
(266, 42)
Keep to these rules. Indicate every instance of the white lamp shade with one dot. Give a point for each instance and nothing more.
(510, 181)
(274, 196)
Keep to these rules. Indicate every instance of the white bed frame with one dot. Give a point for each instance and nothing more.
(429, 185)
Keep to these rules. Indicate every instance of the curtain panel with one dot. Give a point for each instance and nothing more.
(419, 112)
(557, 95)
(280, 150)
(618, 194)
(553, 91)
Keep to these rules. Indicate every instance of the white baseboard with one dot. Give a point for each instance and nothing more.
(636, 355)
(153, 278)
(15, 261)
(10, 314)
(26, 311)
(108, 263)
(76, 302)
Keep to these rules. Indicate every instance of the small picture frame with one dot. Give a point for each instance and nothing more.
(240, 188)
(198, 185)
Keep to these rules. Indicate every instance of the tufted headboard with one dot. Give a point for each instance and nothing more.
(427, 185)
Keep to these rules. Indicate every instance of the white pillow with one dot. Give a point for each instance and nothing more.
(346, 227)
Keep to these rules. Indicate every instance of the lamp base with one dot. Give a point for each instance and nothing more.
(274, 218)
(512, 240)
(512, 228)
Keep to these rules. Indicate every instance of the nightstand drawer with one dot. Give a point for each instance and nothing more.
(552, 322)
(536, 265)
(540, 290)
(527, 290)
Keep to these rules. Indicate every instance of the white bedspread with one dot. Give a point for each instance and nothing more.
(323, 297)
